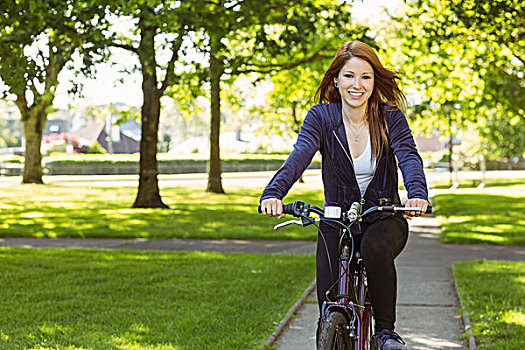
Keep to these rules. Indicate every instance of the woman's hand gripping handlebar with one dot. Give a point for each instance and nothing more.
(298, 209)
(419, 205)
(272, 207)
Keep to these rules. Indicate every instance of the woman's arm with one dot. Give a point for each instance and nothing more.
(409, 160)
(307, 144)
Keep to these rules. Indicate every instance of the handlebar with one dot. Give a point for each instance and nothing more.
(303, 211)
(394, 208)
(299, 209)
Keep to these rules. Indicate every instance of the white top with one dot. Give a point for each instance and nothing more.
(364, 167)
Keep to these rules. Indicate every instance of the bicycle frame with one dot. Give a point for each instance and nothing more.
(352, 298)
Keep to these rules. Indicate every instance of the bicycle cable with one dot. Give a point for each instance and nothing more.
(339, 245)
(326, 248)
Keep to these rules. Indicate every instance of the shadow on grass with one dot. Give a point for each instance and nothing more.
(54, 211)
(482, 218)
(78, 299)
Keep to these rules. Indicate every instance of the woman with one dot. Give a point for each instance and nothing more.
(359, 129)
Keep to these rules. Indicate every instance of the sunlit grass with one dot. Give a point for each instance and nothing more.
(493, 293)
(493, 216)
(88, 299)
(466, 184)
(60, 211)
(514, 317)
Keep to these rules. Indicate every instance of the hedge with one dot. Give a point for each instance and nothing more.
(125, 165)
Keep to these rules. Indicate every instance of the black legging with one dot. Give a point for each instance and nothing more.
(381, 242)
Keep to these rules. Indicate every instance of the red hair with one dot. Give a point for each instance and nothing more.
(386, 91)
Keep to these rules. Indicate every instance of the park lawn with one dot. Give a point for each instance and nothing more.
(493, 215)
(475, 181)
(63, 211)
(493, 295)
(94, 299)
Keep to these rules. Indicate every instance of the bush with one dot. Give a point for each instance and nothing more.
(95, 148)
(128, 164)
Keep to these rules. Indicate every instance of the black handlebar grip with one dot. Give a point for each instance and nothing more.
(288, 209)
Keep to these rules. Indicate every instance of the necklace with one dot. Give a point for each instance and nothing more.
(356, 135)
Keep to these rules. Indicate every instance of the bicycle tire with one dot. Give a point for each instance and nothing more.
(334, 333)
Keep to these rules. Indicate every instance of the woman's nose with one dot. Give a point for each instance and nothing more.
(356, 82)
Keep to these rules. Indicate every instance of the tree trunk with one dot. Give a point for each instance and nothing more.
(148, 195)
(214, 163)
(33, 120)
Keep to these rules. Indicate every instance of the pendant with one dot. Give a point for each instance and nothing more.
(355, 139)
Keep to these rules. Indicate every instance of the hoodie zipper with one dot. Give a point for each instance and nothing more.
(362, 201)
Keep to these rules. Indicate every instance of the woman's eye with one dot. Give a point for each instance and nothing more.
(348, 76)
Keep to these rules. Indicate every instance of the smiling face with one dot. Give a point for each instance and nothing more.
(355, 83)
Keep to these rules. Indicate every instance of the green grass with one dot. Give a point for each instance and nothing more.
(87, 299)
(492, 216)
(493, 294)
(61, 211)
(474, 182)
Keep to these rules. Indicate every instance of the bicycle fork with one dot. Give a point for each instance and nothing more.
(360, 296)
(351, 298)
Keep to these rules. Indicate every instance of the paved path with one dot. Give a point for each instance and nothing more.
(426, 313)
(170, 244)
(312, 177)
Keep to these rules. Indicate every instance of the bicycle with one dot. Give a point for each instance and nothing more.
(347, 323)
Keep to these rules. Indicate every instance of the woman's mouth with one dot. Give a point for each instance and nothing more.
(355, 94)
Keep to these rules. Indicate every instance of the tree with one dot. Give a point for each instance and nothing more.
(466, 60)
(246, 36)
(152, 18)
(37, 41)
(504, 135)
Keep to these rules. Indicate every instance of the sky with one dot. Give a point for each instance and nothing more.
(105, 88)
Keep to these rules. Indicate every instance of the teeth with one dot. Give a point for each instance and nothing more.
(356, 93)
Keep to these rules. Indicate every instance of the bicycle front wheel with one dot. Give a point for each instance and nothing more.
(334, 333)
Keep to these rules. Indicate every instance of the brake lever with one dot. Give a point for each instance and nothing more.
(287, 223)
(303, 222)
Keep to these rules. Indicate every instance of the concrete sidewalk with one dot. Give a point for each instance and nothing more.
(169, 244)
(427, 303)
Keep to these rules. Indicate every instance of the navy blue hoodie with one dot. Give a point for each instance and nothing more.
(323, 130)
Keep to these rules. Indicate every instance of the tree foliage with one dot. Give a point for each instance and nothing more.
(37, 41)
(465, 62)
